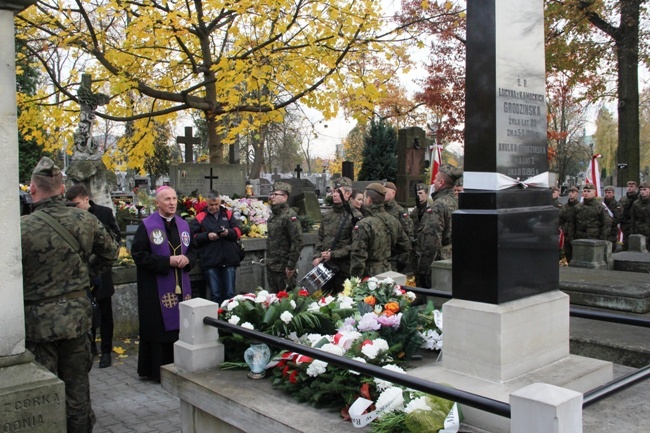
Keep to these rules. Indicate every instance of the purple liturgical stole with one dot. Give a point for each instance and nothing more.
(157, 234)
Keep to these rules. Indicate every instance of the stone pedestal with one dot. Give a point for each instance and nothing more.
(495, 350)
(441, 275)
(411, 149)
(592, 254)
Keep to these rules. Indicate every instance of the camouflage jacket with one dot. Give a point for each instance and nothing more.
(400, 243)
(427, 241)
(444, 205)
(53, 269)
(591, 221)
(284, 242)
(641, 218)
(626, 203)
(337, 219)
(566, 217)
(617, 214)
(371, 247)
(401, 215)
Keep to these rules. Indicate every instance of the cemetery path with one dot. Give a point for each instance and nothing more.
(123, 403)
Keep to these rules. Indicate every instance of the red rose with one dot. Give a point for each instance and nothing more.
(366, 342)
(293, 377)
(282, 294)
(303, 292)
(285, 371)
(220, 311)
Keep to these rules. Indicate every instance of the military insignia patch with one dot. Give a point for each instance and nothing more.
(185, 238)
(157, 237)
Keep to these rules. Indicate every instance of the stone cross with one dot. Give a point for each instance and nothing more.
(298, 170)
(85, 147)
(211, 177)
(188, 140)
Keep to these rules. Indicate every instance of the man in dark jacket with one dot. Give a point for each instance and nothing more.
(103, 288)
(626, 203)
(216, 232)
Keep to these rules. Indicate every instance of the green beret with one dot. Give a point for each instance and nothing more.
(341, 181)
(422, 187)
(574, 188)
(390, 185)
(609, 188)
(454, 173)
(46, 167)
(645, 185)
(589, 186)
(282, 186)
(555, 188)
(377, 187)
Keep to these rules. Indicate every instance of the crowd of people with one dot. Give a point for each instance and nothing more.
(604, 218)
(74, 242)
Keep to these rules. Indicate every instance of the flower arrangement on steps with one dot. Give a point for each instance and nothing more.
(371, 321)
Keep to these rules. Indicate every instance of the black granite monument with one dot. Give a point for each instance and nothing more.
(505, 234)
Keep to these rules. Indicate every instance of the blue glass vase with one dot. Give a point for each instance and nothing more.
(257, 356)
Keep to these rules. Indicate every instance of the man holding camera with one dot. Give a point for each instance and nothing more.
(216, 232)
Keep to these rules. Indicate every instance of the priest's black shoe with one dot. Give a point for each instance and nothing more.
(105, 360)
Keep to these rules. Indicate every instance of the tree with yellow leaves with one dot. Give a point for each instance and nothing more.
(240, 63)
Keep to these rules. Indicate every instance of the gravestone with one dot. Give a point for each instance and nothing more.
(303, 197)
(189, 141)
(141, 183)
(347, 169)
(266, 187)
(411, 150)
(31, 398)
(225, 178)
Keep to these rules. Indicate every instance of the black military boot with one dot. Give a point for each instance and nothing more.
(105, 360)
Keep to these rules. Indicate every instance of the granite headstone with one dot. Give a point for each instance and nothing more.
(196, 178)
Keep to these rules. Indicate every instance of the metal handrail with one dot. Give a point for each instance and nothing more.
(479, 402)
(615, 386)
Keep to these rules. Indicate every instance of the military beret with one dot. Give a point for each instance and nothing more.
(609, 188)
(377, 187)
(454, 173)
(459, 182)
(574, 188)
(645, 185)
(631, 183)
(390, 185)
(46, 167)
(341, 181)
(422, 187)
(282, 186)
(589, 186)
(555, 188)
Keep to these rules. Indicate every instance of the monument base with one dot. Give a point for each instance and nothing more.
(31, 397)
(494, 350)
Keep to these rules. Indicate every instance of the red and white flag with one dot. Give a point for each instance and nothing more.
(436, 160)
(593, 174)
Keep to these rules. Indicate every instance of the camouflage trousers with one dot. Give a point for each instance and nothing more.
(278, 281)
(71, 361)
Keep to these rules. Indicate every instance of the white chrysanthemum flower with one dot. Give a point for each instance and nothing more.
(370, 350)
(346, 302)
(326, 301)
(388, 280)
(247, 325)
(418, 403)
(356, 358)
(372, 285)
(373, 280)
(313, 338)
(390, 400)
(384, 384)
(293, 304)
(333, 349)
(316, 368)
(381, 343)
(313, 307)
(411, 296)
(286, 317)
(234, 319)
(232, 305)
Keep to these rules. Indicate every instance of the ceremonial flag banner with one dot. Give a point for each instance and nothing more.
(436, 159)
(593, 174)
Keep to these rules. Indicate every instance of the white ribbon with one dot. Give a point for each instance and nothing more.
(360, 419)
(496, 181)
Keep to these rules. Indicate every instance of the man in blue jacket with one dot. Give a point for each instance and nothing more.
(216, 232)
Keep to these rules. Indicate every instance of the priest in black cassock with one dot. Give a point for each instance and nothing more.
(163, 253)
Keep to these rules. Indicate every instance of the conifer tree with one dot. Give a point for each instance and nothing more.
(379, 152)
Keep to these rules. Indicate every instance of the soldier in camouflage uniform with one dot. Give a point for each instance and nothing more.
(375, 236)
(566, 221)
(335, 236)
(284, 242)
(590, 219)
(626, 203)
(398, 262)
(58, 314)
(641, 212)
(616, 214)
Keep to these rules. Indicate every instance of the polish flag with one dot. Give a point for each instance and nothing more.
(593, 174)
(436, 158)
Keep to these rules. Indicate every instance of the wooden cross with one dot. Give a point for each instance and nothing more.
(211, 177)
(188, 140)
(298, 170)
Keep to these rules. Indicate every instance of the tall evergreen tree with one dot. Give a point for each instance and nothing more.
(379, 152)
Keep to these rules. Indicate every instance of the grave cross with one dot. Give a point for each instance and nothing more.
(298, 170)
(211, 177)
(188, 140)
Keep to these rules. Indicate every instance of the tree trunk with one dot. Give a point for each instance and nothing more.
(215, 146)
(258, 158)
(627, 54)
